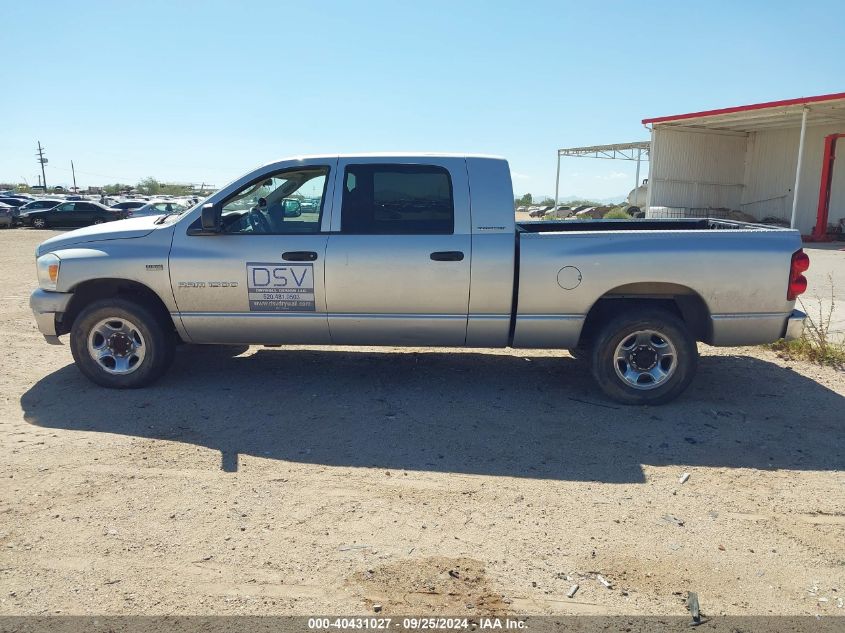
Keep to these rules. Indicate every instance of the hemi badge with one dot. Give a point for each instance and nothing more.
(155, 266)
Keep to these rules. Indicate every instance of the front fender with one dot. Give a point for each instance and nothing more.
(142, 260)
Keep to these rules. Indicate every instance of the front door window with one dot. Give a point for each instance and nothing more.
(286, 203)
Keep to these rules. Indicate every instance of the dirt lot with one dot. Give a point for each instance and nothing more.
(310, 480)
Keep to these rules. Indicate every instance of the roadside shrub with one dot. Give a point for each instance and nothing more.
(616, 214)
(817, 344)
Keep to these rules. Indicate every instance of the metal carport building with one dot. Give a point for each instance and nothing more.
(768, 160)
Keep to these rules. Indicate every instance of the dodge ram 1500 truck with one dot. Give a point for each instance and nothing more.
(414, 250)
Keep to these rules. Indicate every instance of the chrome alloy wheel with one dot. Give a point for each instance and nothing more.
(645, 359)
(116, 345)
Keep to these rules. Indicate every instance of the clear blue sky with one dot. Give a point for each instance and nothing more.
(204, 91)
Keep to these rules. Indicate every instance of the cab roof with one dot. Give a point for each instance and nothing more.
(390, 155)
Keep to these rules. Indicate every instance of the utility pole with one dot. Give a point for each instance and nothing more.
(73, 171)
(43, 162)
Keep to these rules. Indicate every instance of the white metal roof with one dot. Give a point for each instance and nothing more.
(822, 109)
(623, 151)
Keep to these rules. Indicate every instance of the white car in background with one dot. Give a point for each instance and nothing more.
(157, 207)
(130, 206)
(7, 218)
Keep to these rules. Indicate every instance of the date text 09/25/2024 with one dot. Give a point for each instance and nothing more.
(415, 623)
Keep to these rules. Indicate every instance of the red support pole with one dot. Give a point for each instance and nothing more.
(819, 233)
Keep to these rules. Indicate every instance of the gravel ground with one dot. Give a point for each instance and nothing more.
(306, 480)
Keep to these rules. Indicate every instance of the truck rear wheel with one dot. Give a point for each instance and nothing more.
(644, 357)
(120, 344)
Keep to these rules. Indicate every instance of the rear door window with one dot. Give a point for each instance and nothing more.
(397, 200)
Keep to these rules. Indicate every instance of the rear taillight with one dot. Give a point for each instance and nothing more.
(797, 282)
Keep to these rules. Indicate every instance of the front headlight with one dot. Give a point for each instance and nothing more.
(48, 271)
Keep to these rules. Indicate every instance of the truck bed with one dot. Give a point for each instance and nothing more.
(733, 274)
(689, 224)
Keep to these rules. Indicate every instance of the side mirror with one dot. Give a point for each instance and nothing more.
(211, 218)
(293, 208)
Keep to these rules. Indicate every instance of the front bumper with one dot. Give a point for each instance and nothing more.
(46, 307)
(794, 325)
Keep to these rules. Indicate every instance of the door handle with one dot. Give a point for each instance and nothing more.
(447, 256)
(299, 256)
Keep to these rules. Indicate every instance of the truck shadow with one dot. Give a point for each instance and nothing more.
(462, 412)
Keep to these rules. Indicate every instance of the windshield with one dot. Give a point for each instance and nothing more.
(178, 211)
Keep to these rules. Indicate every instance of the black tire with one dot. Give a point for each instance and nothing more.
(158, 337)
(621, 330)
(99, 220)
(39, 223)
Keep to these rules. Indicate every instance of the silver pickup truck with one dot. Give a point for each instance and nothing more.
(414, 250)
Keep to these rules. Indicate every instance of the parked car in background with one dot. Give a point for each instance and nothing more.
(6, 216)
(34, 205)
(128, 205)
(309, 205)
(76, 213)
(39, 205)
(15, 203)
(160, 207)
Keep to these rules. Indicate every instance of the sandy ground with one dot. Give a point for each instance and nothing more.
(312, 480)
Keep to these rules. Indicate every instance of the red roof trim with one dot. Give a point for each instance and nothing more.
(747, 108)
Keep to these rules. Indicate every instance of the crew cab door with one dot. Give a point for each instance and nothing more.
(259, 280)
(398, 257)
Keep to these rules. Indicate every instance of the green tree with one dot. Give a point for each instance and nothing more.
(547, 202)
(524, 201)
(149, 186)
(115, 188)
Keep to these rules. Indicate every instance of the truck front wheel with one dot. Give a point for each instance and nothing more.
(120, 344)
(644, 357)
